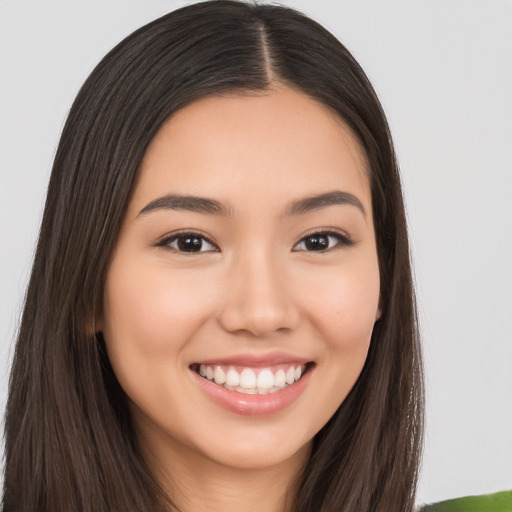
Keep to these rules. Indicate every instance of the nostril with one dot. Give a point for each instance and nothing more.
(258, 303)
(258, 321)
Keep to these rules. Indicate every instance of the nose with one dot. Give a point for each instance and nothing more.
(258, 300)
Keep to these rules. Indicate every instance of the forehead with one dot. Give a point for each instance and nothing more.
(276, 142)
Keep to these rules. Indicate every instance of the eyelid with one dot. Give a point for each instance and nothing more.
(169, 237)
(344, 240)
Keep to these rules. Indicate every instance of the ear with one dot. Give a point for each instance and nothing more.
(95, 325)
(378, 314)
(98, 324)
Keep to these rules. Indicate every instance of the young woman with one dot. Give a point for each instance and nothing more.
(220, 314)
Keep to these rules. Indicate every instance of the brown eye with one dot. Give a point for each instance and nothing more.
(316, 243)
(322, 241)
(188, 243)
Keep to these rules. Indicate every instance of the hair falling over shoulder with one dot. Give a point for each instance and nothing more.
(70, 443)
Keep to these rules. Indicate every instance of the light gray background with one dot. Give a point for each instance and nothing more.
(444, 73)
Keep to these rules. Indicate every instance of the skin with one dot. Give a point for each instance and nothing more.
(255, 290)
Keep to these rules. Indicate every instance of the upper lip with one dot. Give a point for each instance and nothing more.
(256, 360)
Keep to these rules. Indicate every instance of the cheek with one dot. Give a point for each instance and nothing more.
(151, 308)
(353, 313)
(149, 316)
(342, 311)
(345, 308)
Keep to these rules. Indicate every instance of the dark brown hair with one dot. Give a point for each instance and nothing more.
(70, 444)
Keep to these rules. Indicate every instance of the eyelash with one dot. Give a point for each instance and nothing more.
(342, 240)
(166, 242)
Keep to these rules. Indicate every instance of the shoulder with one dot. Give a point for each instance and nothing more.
(498, 502)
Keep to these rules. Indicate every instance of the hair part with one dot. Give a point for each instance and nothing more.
(70, 442)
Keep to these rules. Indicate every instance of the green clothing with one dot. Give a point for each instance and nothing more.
(498, 502)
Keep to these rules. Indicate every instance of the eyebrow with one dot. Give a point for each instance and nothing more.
(318, 202)
(212, 207)
(188, 203)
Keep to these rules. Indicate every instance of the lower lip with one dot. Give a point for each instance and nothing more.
(253, 405)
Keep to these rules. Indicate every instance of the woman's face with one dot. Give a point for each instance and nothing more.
(243, 290)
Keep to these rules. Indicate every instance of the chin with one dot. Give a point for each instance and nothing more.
(259, 455)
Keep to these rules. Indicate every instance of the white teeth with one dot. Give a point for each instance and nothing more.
(247, 379)
(247, 391)
(247, 382)
(265, 380)
(232, 378)
(219, 375)
(279, 378)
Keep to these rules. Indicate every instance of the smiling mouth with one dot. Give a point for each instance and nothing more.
(252, 381)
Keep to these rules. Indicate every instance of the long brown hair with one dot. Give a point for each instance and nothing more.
(70, 443)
